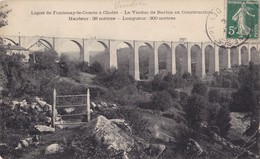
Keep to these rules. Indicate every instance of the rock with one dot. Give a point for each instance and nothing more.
(44, 128)
(69, 110)
(23, 103)
(160, 134)
(48, 120)
(59, 127)
(19, 146)
(38, 108)
(29, 140)
(104, 104)
(53, 149)
(194, 148)
(106, 134)
(14, 103)
(93, 105)
(47, 107)
(99, 106)
(33, 105)
(216, 138)
(24, 143)
(114, 105)
(124, 156)
(58, 118)
(122, 124)
(40, 102)
(155, 150)
(35, 138)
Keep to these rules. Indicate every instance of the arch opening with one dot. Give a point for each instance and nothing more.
(209, 60)
(244, 55)
(223, 58)
(98, 52)
(144, 53)
(234, 56)
(164, 56)
(196, 61)
(181, 56)
(72, 51)
(8, 40)
(254, 55)
(125, 58)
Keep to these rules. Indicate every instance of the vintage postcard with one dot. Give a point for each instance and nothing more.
(129, 79)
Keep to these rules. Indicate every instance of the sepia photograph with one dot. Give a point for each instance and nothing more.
(129, 79)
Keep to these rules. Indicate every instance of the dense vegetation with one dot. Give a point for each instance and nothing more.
(206, 104)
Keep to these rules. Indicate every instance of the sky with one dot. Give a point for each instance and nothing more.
(23, 22)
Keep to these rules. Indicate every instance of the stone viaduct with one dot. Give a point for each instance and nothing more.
(217, 57)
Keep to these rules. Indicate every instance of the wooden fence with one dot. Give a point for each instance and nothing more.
(56, 106)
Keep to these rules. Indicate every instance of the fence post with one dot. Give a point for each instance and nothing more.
(53, 108)
(88, 106)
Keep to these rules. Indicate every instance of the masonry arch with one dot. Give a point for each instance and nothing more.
(164, 56)
(74, 52)
(254, 55)
(125, 58)
(223, 58)
(234, 56)
(8, 40)
(209, 60)
(98, 52)
(49, 45)
(196, 60)
(145, 51)
(244, 55)
(181, 57)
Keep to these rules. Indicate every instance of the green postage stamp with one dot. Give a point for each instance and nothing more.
(242, 19)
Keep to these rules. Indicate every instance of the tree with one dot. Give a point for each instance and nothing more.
(3, 15)
(199, 88)
(44, 60)
(213, 95)
(115, 79)
(196, 111)
(158, 83)
(245, 98)
(162, 101)
(96, 68)
(219, 116)
(67, 68)
(13, 70)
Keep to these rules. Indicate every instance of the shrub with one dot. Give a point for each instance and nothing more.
(158, 83)
(196, 111)
(199, 88)
(244, 100)
(128, 95)
(219, 116)
(96, 68)
(83, 66)
(223, 120)
(44, 60)
(235, 84)
(174, 93)
(67, 67)
(13, 69)
(226, 83)
(161, 101)
(213, 95)
(115, 79)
